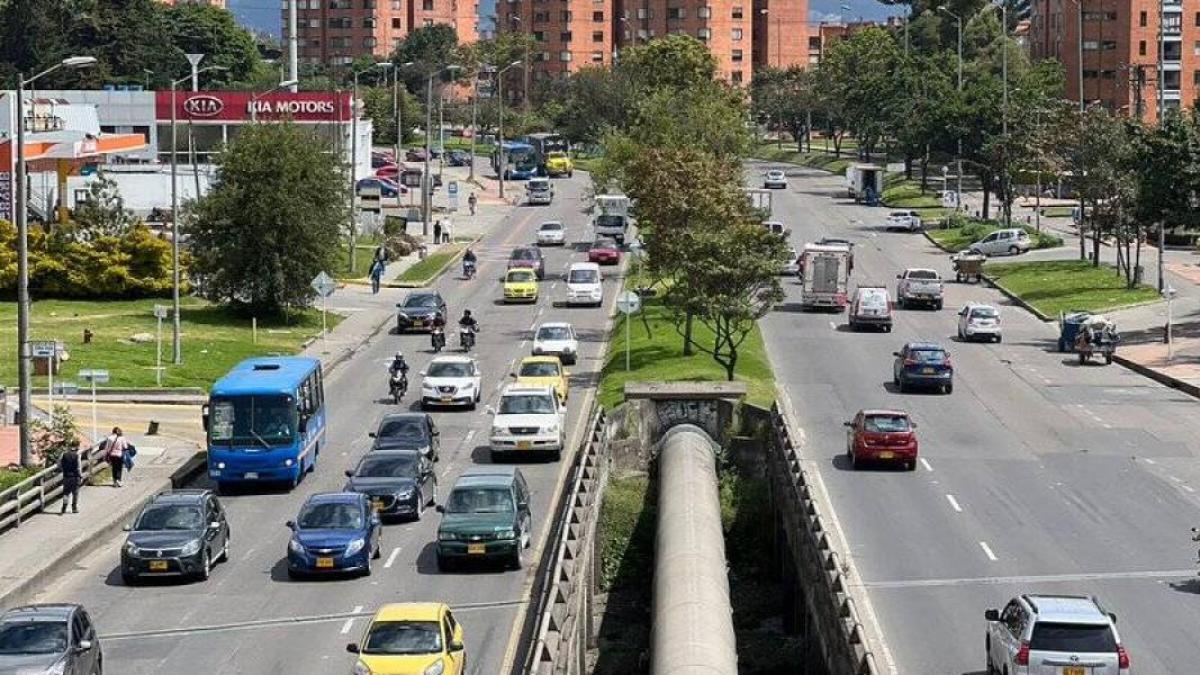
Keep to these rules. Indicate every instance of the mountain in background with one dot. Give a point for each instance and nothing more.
(258, 15)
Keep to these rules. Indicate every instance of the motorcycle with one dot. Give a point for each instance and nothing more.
(438, 338)
(397, 386)
(466, 338)
(468, 269)
(1196, 537)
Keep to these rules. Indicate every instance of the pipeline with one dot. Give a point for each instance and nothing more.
(692, 614)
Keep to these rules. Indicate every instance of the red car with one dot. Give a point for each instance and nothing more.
(881, 435)
(604, 252)
(388, 171)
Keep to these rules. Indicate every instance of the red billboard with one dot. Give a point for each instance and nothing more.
(235, 106)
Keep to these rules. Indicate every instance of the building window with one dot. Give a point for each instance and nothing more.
(737, 56)
(427, 5)
(1172, 51)
(1196, 48)
(704, 33)
(564, 36)
(369, 43)
(369, 22)
(1089, 74)
(1172, 24)
(737, 12)
(396, 25)
(539, 36)
(1142, 19)
(340, 22)
(676, 13)
(1102, 45)
(814, 44)
(1196, 78)
(1198, 18)
(737, 34)
(644, 13)
(564, 56)
(1094, 16)
(704, 12)
(736, 77)
(368, 4)
(597, 36)
(428, 23)
(598, 17)
(565, 16)
(1171, 80)
(543, 56)
(1142, 48)
(397, 5)
(541, 17)
(597, 57)
(339, 4)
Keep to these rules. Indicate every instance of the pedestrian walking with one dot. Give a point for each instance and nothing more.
(381, 253)
(377, 268)
(114, 451)
(437, 231)
(447, 231)
(68, 464)
(471, 202)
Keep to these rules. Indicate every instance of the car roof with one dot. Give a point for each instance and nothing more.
(883, 411)
(921, 269)
(421, 294)
(925, 346)
(410, 611)
(42, 612)
(526, 389)
(390, 452)
(551, 222)
(179, 497)
(451, 358)
(490, 475)
(584, 266)
(525, 249)
(334, 498)
(520, 271)
(871, 290)
(1066, 608)
(980, 305)
(391, 417)
(555, 324)
(541, 359)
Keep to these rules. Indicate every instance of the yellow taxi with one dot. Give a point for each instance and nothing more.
(559, 164)
(521, 285)
(411, 638)
(544, 371)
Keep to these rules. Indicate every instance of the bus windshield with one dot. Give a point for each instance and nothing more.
(259, 420)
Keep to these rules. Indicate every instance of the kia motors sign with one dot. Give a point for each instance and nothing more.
(235, 106)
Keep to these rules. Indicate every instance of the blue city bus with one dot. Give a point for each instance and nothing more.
(266, 421)
(544, 144)
(518, 159)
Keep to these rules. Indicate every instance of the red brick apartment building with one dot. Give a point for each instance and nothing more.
(335, 32)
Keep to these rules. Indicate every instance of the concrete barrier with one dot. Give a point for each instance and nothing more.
(692, 615)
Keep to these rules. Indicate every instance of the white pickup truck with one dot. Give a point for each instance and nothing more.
(919, 286)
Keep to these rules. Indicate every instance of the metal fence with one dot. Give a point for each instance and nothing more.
(31, 495)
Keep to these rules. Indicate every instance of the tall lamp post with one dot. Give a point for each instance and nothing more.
(24, 359)
(958, 159)
(426, 179)
(501, 160)
(398, 110)
(354, 156)
(259, 96)
(176, 341)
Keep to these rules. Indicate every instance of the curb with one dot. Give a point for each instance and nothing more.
(1016, 299)
(86, 542)
(1158, 376)
(433, 277)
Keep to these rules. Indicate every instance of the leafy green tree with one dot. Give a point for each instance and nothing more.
(52, 438)
(33, 35)
(858, 73)
(594, 100)
(673, 62)
(214, 32)
(104, 212)
(271, 221)
(429, 48)
(789, 98)
(379, 106)
(1167, 157)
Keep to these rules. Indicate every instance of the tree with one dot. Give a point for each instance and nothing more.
(271, 221)
(858, 73)
(674, 62)
(429, 48)
(378, 104)
(214, 32)
(103, 213)
(34, 34)
(52, 439)
(788, 98)
(594, 100)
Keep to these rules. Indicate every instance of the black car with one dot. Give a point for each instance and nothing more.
(408, 431)
(417, 310)
(49, 639)
(459, 158)
(179, 533)
(529, 257)
(400, 483)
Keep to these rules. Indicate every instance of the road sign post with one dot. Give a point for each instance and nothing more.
(95, 377)
(47, 349)
(629, 303)
(324, 285)
(160, 313)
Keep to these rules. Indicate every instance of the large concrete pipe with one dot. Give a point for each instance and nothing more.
(692, 619)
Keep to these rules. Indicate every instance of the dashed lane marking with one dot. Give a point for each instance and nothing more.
(350, 622)
(391, 559)
(925, 463)
(1026, 580)
(958, 509)
(987, 550)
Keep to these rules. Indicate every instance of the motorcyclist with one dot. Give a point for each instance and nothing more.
(469, 263)
(438, 330)
(468, 322)
(399, 365)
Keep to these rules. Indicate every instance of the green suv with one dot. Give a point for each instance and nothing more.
(486, 517)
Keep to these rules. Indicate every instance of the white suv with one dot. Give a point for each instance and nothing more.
(979, 322)
(451, 380)
(558, 339)
(584, 285)
(904, 220)
(528, 419)
(1002, 242)
(1061, 634)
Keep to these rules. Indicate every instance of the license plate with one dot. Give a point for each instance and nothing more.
(1073, 670)
(447, 399)
(158, 565)
(886, 455)
(927, 371)
(476, 549)
(524, 445)
(251, 476)
(324, 562)
(378, 504)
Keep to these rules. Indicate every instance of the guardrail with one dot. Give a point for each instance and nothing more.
(31, 495)
(565, 602)
(840, 633)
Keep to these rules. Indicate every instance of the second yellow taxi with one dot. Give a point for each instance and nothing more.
(413, 638)
(520, 285)
(544, 371)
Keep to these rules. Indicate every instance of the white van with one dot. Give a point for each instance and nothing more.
(584, 284)
(539, 192)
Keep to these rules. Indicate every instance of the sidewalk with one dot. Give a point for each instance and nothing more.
(1181, 371)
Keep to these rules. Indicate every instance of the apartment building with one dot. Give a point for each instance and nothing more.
(569, 34)
(1119, 45)
(335, 32)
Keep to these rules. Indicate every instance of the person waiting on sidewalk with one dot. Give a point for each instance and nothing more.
(447, 231)
(114, 452)
(376, 273)
(437, 231)
(68, 464)
(472, 201)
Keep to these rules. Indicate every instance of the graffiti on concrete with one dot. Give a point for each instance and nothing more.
(704, 413)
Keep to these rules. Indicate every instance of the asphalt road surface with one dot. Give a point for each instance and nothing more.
(249, 618)
(1037, 475)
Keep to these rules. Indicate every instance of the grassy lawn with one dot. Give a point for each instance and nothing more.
(627, 533)
(214, 339)
(1056, 212)
(958, 238)
(659, 357)
(816, 159)
(907, 194)
(1060, 285)
(423, 270)
(10, 477)
(363, 255)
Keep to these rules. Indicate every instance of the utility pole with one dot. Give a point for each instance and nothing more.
(1162, 225)
(958, 160)
(1082, 111)
(293, 47)
(474, 122)
(1004, 178)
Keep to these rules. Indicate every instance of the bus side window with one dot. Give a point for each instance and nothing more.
(320, 390)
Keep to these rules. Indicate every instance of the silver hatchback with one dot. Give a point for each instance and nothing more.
(1054, 635)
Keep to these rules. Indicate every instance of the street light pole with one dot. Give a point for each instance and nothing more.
(474, 123)
(1162, 225)
(501, 160)
(399, 111)
(426, 179)
(958, 159)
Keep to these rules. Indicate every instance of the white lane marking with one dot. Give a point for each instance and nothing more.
(554, 285)
(1025, 580)
(1150, 461)
(1188, 488)
(539, 312)
(954, 503)
(925, 463)
(987, 550)
(832, 326)
(1176, 479)
(470, 435)
(391, 559)
(250, 553)
(350, 622)
(523, 343)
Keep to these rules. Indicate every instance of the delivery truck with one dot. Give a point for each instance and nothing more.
(826, 276)
(864, 183)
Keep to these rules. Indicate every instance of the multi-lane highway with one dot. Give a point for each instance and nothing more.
(249, 617)
(1037, 475)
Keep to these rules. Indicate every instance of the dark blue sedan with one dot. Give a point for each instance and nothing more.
(923, 364)
(335, 532)
(387, 189)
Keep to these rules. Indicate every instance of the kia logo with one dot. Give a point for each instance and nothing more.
(203, 106)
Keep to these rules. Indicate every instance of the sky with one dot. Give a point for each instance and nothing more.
(265, 15)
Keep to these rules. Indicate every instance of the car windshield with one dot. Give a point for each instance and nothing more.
(604, 243)
(421, 301)
(928, 355)
(885, 424)
(900, 214)
(775, 174)
(411, 429)
(252, 420)
(33, 637)
(169, 517)
(537, 186)
(922, 274)
(403, 637)
(984, 313)
(1077, 638)
(400, 466)
(610, 220)
(524, 254)
(554, 332)
(521, 276)
(330, 516)
(539, 369)
(551, 227)
(449, 369)
(583, 277)
(480, 500)
(526, 404)
(873, 300)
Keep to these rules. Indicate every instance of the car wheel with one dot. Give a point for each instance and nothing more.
(496, 456)
(128, 579)
(854, 463)
(990, 667)
(939, 304)
(887, 328)
(443, 564)
(949, 389)
(910, 465)
(205, 566)
(225, 550)
(366, 570)
(516, 562)
(1013, 250)
(902, 385)
(999, 339)
(294, 574)
(378, 549)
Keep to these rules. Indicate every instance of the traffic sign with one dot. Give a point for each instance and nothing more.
(65, 388)
(43, 349)
(324, 285)
(452, 189)
(629, 302)
(94, 376)
(160, 311)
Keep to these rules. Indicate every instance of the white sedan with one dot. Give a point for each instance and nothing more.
(557, 339)
(451, 380)
(979, 322)
(775, 179)
(551, 233)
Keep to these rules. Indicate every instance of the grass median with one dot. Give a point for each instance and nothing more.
(960, 236)
(825, 161)
(214, 339)
(1054, 286)
(659, 357)
(424, 271)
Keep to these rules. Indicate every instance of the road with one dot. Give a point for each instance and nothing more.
(249, 618)
(1039, 476)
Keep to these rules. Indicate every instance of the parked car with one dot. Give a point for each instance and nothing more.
(486, 517)
(451, 380)
(924, 364)
(334, 532)
(528, 257)
(399, 483)
(558, 339)
(408, 431)
(881, 436)
(777, 228)
(391, 171)
(919, 286)
(544, 371)
(528, 419)
(1062, 634)
(604, 251)
(909, 221)
(520, 285)
(871, 307)
(418, 309)
(977, 321)
(1013, 241)
(388, 189)
(584, 284)
(775, 179)
(791, 267)
(50, 639)
(380, 159)
(416, 638)
(179, 533)
(417, 155)
(551, 233)
(458, 158)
